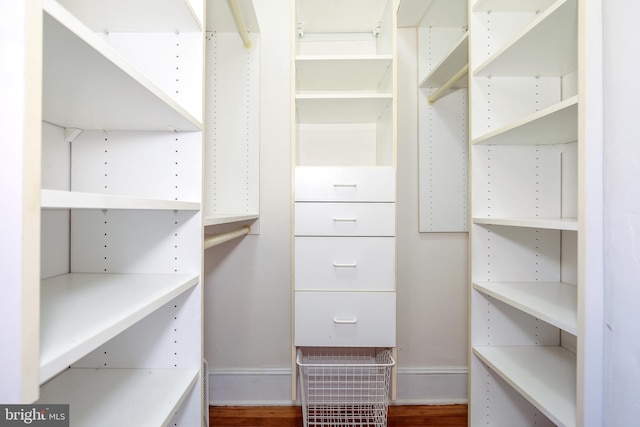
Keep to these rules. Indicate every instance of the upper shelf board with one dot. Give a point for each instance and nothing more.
(220, 18)
(556, 124)
(338, 73)
(449, 66)
(88, 85)
(547, 47)
(217, 219)
(136, 16)
(56, 199)
(339, 16)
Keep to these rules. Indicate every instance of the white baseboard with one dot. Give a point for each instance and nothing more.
(272, 387)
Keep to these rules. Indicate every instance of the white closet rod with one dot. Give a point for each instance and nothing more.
(457, 76)
(242, 27)
(214, 240)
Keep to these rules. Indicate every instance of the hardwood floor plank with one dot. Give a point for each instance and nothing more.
(291, 416)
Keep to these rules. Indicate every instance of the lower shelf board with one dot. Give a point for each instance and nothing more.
(544, 375)
(120, 397)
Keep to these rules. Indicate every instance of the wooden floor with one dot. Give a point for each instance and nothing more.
(291, 416)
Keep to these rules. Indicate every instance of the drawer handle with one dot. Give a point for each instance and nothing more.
(351, 264)
(345, 185)
(345, 219)
(351, 321)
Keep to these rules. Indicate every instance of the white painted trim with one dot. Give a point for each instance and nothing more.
(272, 387)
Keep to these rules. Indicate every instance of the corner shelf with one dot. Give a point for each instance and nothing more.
(57, 199)
(541, 48)
(552, 302)
(567, 224)
(88, 85)
(453, 62)
(146, 397)
(79, 312)
(544, 375)
(556, 124)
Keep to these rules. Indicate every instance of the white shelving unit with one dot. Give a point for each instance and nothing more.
(443, 47)
(344, 158)
(528, 228)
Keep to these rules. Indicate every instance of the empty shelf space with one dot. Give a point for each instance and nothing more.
(217, 219)
(136, 16)
(557, 124)
(449, 66)
(567, 224)
(88, 85)
(81, 311)
(120, 397)
(547, 47)
(56, 199)
(544, 375)
(552, 302)
(342, 72)
(341, 108)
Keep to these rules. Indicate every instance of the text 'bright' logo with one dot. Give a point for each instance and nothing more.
(40, 415)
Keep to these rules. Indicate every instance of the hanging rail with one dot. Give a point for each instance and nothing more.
(242, 27)
(457, 76)
(214, 240)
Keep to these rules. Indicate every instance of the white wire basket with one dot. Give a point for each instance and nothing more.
(344, 387)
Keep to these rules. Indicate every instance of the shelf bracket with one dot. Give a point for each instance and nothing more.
(300, 30)
(376, 29)
(70, 134)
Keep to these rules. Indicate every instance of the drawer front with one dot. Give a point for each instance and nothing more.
(345, 263)
(345, 184)
(345, 219)
(345, 319)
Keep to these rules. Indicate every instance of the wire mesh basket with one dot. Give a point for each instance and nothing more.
(344, 387)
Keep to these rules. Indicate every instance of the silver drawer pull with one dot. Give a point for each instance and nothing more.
(352, 264)
(351, 321)
(345, 185)
(345, 219)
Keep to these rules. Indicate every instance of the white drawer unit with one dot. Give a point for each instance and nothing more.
(345, 184)
(345, 319)
(345, 263)
(344, 219)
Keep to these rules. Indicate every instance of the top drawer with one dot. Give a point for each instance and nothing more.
(345, 184)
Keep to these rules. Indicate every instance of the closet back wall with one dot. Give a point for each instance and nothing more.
(248, 281)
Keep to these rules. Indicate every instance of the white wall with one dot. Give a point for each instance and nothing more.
(248, 281)
(622, 212)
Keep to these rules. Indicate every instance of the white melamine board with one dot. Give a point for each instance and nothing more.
(450, 64)
(337, 144)
(132, 241)
(443, 163)
(546, 47)
(552, 302)
(510, 5)
(56, 199)
(341, 107)
(344, 219)
(515, 181)
(442, 13)
(555, 124)
(345, 184)
(120, 397)
(342, 72)
(82, 311)
(544, 375)
(570, 224)
(410, 12)
(232, 132)
(217, 219)
(149, 165)
(87, 84)
(510, 254)
(138, 16)
(338, 16)
(220, 19)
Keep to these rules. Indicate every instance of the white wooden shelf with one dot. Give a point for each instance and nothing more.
(341, 107)
(552, 302)
(342, 72)
(338, 16)
(218, 219)
(136, 16)
(88, 85)
(547, 47)
(80, 311)
(567, 224)
(120, 397)
(556, 124)
(511, 6)
(449, 66)
(544, 375)
(56, 199)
